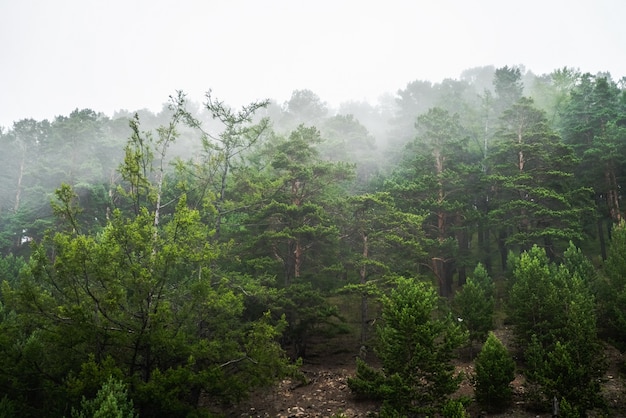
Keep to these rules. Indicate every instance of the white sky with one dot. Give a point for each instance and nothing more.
(131, 54)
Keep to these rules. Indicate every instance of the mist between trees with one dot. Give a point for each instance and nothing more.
(200, 251)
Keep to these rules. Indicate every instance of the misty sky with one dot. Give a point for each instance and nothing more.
(132, 54)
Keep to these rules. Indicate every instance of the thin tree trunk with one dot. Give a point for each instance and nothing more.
(297, 259)
(222, 195)
(18, 197)
(502, 248)
(449, 267)
(601, 238)
(438, 265)
(462, 237)
(18, 192)
(462, 275)
(612, 196)
(289, 261)
(363, 280)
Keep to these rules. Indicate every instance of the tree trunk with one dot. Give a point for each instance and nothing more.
(289, 262)
(549, 248)
(484, 244)
(612, 195)
(462, 275)
(449, 267)
(364, 314)
(462, 238)
(18, 196)
(363, 280)
(502, 248)
(439, 269)
(297, 259)
(601, 238)
(18, 192)
(219, 205)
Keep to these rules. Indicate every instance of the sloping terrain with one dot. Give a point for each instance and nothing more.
(325, 393)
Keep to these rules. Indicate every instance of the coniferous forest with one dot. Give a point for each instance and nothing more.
(153, 264)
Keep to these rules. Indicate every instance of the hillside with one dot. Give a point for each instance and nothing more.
(325, 392)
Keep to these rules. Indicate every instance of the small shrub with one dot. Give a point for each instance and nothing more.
(416, 343)
(566, 410)
(454, 408)
(7, 408)
(495, 369)
(111, 401)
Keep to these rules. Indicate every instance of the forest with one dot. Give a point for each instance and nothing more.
(152, 264)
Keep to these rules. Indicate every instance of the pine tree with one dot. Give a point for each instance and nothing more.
(553, 311)
(495, 370)
(475, 310)
(140, 292)
(433, 178)
(111, 401)
(416, 345)
(379, 242)
(612, 289)
(593, 124)
(535, 200)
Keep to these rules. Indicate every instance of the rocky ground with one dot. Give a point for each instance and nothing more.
(325, 392)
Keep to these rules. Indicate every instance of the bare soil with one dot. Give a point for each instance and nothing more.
(325, 393)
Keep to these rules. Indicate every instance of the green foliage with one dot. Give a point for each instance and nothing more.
(111, 401)
(7, 407)
(554, 310)
(535, 304)
(577, 263)
(390, 389)
(566, 410)
(138, 300)
(151, 307)
(221, 159)
(495, 370)
(91, 377)
(10, 267)
(612, 289)
(427, 182)
(349, 141)
(415, 346)
(508, 86)
(593, 124)
(563, 375)
(454, 408)
(291, 236)
(532, 176)
(379, 241)
(181, 281)
(474, 304)
(482, 278)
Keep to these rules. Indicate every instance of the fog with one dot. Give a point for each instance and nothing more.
(118, 55)
(86, 147)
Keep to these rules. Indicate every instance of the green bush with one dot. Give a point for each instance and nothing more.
(474, 305)
(7, 407)
(566, 410)
(111, 401)
(495, 369)
(454, 408)
(554, 313)
(416, 343)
